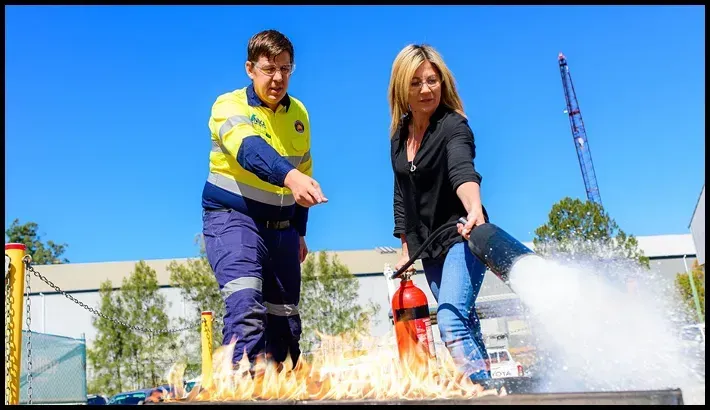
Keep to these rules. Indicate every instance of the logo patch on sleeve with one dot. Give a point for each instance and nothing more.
(298, 125)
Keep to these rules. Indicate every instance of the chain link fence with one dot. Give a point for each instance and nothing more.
(56, 369)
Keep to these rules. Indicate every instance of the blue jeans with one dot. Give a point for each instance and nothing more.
(455, 283)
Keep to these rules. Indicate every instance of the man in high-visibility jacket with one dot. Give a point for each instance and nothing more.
(255, 203)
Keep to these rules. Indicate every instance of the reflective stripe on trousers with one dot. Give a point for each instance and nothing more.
(259, 276)
(255, 283)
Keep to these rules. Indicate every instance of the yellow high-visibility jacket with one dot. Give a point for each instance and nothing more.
(253, 148)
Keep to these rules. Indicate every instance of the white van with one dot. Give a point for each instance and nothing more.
(503, 365)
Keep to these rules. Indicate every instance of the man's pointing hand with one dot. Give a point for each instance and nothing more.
(306, 190)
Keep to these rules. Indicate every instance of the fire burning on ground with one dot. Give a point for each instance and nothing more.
(342, 368)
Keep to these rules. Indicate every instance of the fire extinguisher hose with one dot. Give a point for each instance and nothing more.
(426, 243)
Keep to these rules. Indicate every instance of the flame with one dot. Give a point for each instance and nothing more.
(343, 367)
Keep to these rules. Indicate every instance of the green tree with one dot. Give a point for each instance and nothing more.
(576, 227)
(107, 357)
(123, 358)
(682, 282)
(328, 301)
(150, 354)
(43, 253)
(198, 286)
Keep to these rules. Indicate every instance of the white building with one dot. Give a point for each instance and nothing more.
(53, 313)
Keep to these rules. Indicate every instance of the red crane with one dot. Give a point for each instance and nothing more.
(579, 135)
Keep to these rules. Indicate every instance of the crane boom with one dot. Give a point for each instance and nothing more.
(579, 134)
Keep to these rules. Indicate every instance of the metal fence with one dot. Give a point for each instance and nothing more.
(58, 370)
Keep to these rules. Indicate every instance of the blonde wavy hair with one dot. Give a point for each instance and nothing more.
(403, 69)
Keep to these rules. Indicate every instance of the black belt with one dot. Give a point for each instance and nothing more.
(278, 225)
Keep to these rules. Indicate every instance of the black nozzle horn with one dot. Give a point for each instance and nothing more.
(496, 249)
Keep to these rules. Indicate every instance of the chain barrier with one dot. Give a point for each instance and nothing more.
(103, 316)
(8, 330)
(209, 334)
(29, 269)
(28, 321)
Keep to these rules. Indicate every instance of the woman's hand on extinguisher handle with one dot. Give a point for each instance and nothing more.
(405, 256)
(475, 218)
(404, 259)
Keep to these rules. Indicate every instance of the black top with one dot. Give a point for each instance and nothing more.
(425, 189)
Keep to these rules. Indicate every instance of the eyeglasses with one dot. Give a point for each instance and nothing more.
(431, 82)
(270, 70)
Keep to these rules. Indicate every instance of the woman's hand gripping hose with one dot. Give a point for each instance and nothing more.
(490, 244)
(426, 243)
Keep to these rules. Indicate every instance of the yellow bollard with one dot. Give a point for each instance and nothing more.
(206, 329)
(16, 252)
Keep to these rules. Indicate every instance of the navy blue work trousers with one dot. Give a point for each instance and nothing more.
(259, 276)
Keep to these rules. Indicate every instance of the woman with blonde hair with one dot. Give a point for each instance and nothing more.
(435, 182)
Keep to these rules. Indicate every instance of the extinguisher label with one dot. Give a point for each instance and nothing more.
(422, 325)
(407, 314)
(425, 335)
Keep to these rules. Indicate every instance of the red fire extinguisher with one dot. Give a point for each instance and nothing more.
(412, 326)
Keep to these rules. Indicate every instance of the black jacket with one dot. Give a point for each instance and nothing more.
(425, 189)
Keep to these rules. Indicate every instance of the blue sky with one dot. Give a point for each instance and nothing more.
(106, 114)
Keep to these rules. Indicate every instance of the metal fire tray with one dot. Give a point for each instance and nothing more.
(654, 397)
(520, 391)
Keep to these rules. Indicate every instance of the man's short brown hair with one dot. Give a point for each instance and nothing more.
(268, 43)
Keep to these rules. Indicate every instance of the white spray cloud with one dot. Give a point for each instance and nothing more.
(596, 332)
